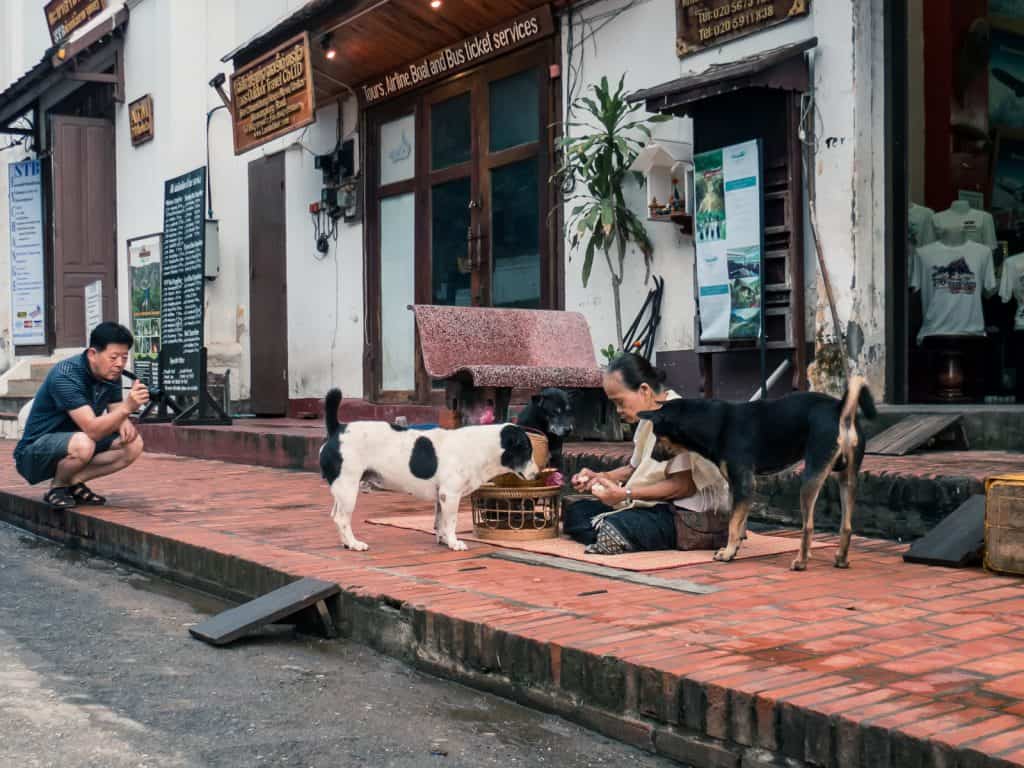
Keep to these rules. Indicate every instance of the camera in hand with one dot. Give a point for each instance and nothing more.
(155, 393)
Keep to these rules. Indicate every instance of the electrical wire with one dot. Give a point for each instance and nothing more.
(209, 175)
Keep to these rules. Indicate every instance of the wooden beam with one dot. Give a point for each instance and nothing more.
(93, 77)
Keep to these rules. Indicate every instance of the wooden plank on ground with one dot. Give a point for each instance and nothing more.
(232, 624)
(910, 433)
(957, 541)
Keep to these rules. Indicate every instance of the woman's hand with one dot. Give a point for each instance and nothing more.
(608, 493)
(583, 479)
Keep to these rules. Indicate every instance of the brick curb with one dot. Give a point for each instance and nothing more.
(715, 718)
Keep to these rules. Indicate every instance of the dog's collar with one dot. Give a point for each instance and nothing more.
(534, 430)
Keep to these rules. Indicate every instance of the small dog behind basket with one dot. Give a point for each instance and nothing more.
(550, 412)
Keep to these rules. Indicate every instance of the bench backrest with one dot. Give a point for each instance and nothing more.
(459, 338)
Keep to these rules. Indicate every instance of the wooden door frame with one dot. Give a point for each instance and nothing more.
(50, 216)
(543, 54)
(282, 159)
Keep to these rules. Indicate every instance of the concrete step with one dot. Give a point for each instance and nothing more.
(40, 369)
(22, 388)
(9, 428)
(13, 404)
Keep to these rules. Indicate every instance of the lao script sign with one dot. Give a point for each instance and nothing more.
(704, 23)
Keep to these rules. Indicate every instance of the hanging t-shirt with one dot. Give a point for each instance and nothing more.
(1012, 287)
(951, 280)
(919, 225)
(978, 226)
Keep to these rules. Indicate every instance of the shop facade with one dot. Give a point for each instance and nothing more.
(429, 151)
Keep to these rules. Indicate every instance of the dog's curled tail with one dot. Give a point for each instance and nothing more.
(331, 403)
(858, 396)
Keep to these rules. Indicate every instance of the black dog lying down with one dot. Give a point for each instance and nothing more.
(750, 439)
(549, 412)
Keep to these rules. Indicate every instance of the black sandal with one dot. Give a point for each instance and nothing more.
(82, 494)
(60, 498)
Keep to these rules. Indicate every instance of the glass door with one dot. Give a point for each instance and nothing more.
(461, 208)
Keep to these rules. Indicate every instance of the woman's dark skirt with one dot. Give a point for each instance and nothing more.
(644, 529)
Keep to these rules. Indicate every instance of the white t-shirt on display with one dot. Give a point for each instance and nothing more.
(951, 280)
(978, 226)
(1012, 287)
(919, 223)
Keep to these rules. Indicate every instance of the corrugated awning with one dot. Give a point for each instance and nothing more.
(781, 68)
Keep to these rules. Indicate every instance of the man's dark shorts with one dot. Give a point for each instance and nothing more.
(38, 461)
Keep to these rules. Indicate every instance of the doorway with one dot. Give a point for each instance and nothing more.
(459, 207)
(85, 223)
(268, 318)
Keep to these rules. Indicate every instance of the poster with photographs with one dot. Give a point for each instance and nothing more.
(1008, 185)
(1006, 80)
(728, 232)
(144, 282)
(1010, 9)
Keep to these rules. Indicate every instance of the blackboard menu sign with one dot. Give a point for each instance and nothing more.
(182, 285)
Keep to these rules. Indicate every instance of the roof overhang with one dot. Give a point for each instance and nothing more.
(782, 68)
(68, 61)
(374, 37)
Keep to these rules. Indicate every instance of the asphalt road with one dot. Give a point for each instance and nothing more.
(97, 669)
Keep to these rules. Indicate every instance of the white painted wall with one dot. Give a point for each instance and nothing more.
(325, 295)
(172, 49)
(640, 41)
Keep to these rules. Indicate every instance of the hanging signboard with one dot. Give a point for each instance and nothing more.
(513, 34)
(65, 16)
(182, 284)
(140, 118)
(729, 238)
(704, 23)
(144, 284)
(272, 95)
(28, 294)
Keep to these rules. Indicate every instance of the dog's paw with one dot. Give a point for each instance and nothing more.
(724, 555)
(798, 565)
(842, 562)
(358, 546)
(458, 546)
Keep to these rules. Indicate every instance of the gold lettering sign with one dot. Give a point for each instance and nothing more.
(704, 23)
(512, 34)
(140, 117)
(65, 16)
(273, 94)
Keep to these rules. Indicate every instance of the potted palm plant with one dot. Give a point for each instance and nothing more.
(595, 165)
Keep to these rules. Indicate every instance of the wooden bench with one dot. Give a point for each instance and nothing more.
(483, 354)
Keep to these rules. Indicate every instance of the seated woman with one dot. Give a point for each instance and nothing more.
(651, 503)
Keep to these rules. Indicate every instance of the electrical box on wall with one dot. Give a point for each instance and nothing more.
(339, 197)
(212, 249)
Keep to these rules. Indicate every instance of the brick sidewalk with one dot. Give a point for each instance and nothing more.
(884, 665)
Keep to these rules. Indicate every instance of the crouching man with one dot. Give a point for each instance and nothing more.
(79, 427)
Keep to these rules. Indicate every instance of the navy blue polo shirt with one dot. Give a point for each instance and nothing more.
(69, 385)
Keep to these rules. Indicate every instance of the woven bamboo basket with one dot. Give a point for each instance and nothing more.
(520, 513)
(541, 456)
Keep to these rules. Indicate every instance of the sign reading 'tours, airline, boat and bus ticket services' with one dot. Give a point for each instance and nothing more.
(704, 23)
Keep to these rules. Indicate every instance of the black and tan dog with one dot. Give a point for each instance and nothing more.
(748, 439)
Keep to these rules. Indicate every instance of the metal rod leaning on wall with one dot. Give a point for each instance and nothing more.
(811, 170)
(772, 381)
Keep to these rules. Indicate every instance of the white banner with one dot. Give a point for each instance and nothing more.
(728, 233)
(93, 307)
(28, 296)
